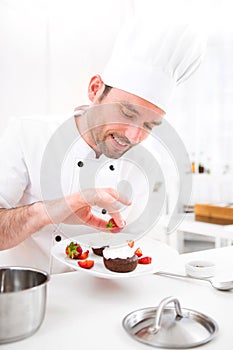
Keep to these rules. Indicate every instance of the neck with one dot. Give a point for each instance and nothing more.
(83, 129)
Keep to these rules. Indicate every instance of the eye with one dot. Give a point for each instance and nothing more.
(127, 114)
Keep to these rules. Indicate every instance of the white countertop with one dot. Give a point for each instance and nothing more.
(85, 312)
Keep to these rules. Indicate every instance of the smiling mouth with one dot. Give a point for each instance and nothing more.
(120, 141)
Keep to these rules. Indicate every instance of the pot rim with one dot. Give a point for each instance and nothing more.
(26, 268)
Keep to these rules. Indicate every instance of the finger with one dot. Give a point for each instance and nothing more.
(113, 208)
(118, 219)
(88, 218)
(96, 222)
(100, 196)
(108, 199)
(113, 195)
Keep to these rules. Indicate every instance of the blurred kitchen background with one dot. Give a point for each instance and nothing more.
(49, 49)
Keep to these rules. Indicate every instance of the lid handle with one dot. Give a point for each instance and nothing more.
(157, 325)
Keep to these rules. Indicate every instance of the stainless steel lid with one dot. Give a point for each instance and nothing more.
(170, 327)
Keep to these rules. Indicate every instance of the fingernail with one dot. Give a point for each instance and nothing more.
(122, 223)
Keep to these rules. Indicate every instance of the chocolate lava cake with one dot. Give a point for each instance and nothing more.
(120, 259)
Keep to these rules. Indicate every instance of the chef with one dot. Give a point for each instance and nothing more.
(67, 176)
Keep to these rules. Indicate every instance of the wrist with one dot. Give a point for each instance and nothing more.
(38, 211)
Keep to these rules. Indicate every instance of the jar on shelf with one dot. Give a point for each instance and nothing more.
(201, 168)
(193, 163)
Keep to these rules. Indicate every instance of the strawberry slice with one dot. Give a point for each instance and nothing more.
(73, 250)
(145, 260)
(112, 226)
(138, 252)
(84, 255)
(86, 264)
(130, 243)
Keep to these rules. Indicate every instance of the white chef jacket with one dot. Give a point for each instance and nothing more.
(40, 159)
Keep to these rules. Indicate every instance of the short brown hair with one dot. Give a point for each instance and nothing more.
(106, 91)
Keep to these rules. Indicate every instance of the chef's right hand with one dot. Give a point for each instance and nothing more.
(76, 208)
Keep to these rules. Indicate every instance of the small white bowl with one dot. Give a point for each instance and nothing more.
(200, 268)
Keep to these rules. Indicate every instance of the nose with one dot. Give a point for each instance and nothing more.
(134, 134)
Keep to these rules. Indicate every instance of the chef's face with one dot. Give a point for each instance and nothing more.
(119, 120)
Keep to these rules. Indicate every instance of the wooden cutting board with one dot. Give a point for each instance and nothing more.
(214, 214)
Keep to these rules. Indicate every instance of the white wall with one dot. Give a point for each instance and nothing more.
(23, 85)
(50, 49)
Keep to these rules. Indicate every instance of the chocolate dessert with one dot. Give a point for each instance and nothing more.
(121, 265)
(99, 251)
(120, 260)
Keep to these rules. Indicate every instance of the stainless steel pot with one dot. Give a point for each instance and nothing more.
(22, 302)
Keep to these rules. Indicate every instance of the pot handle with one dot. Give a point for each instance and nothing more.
(157, 325)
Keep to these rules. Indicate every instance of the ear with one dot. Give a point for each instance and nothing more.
(95, 88)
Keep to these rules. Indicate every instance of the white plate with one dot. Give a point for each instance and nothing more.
(162, 255)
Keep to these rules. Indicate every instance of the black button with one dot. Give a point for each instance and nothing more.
(58, 238)
(111, 167)
(80, 164)
(104, 211)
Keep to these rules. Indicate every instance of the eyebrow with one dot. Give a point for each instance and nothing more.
(157, 122)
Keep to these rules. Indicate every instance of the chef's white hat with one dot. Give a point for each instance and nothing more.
(149, 59)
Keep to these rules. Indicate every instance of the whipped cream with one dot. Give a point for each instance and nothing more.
(122, 253)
